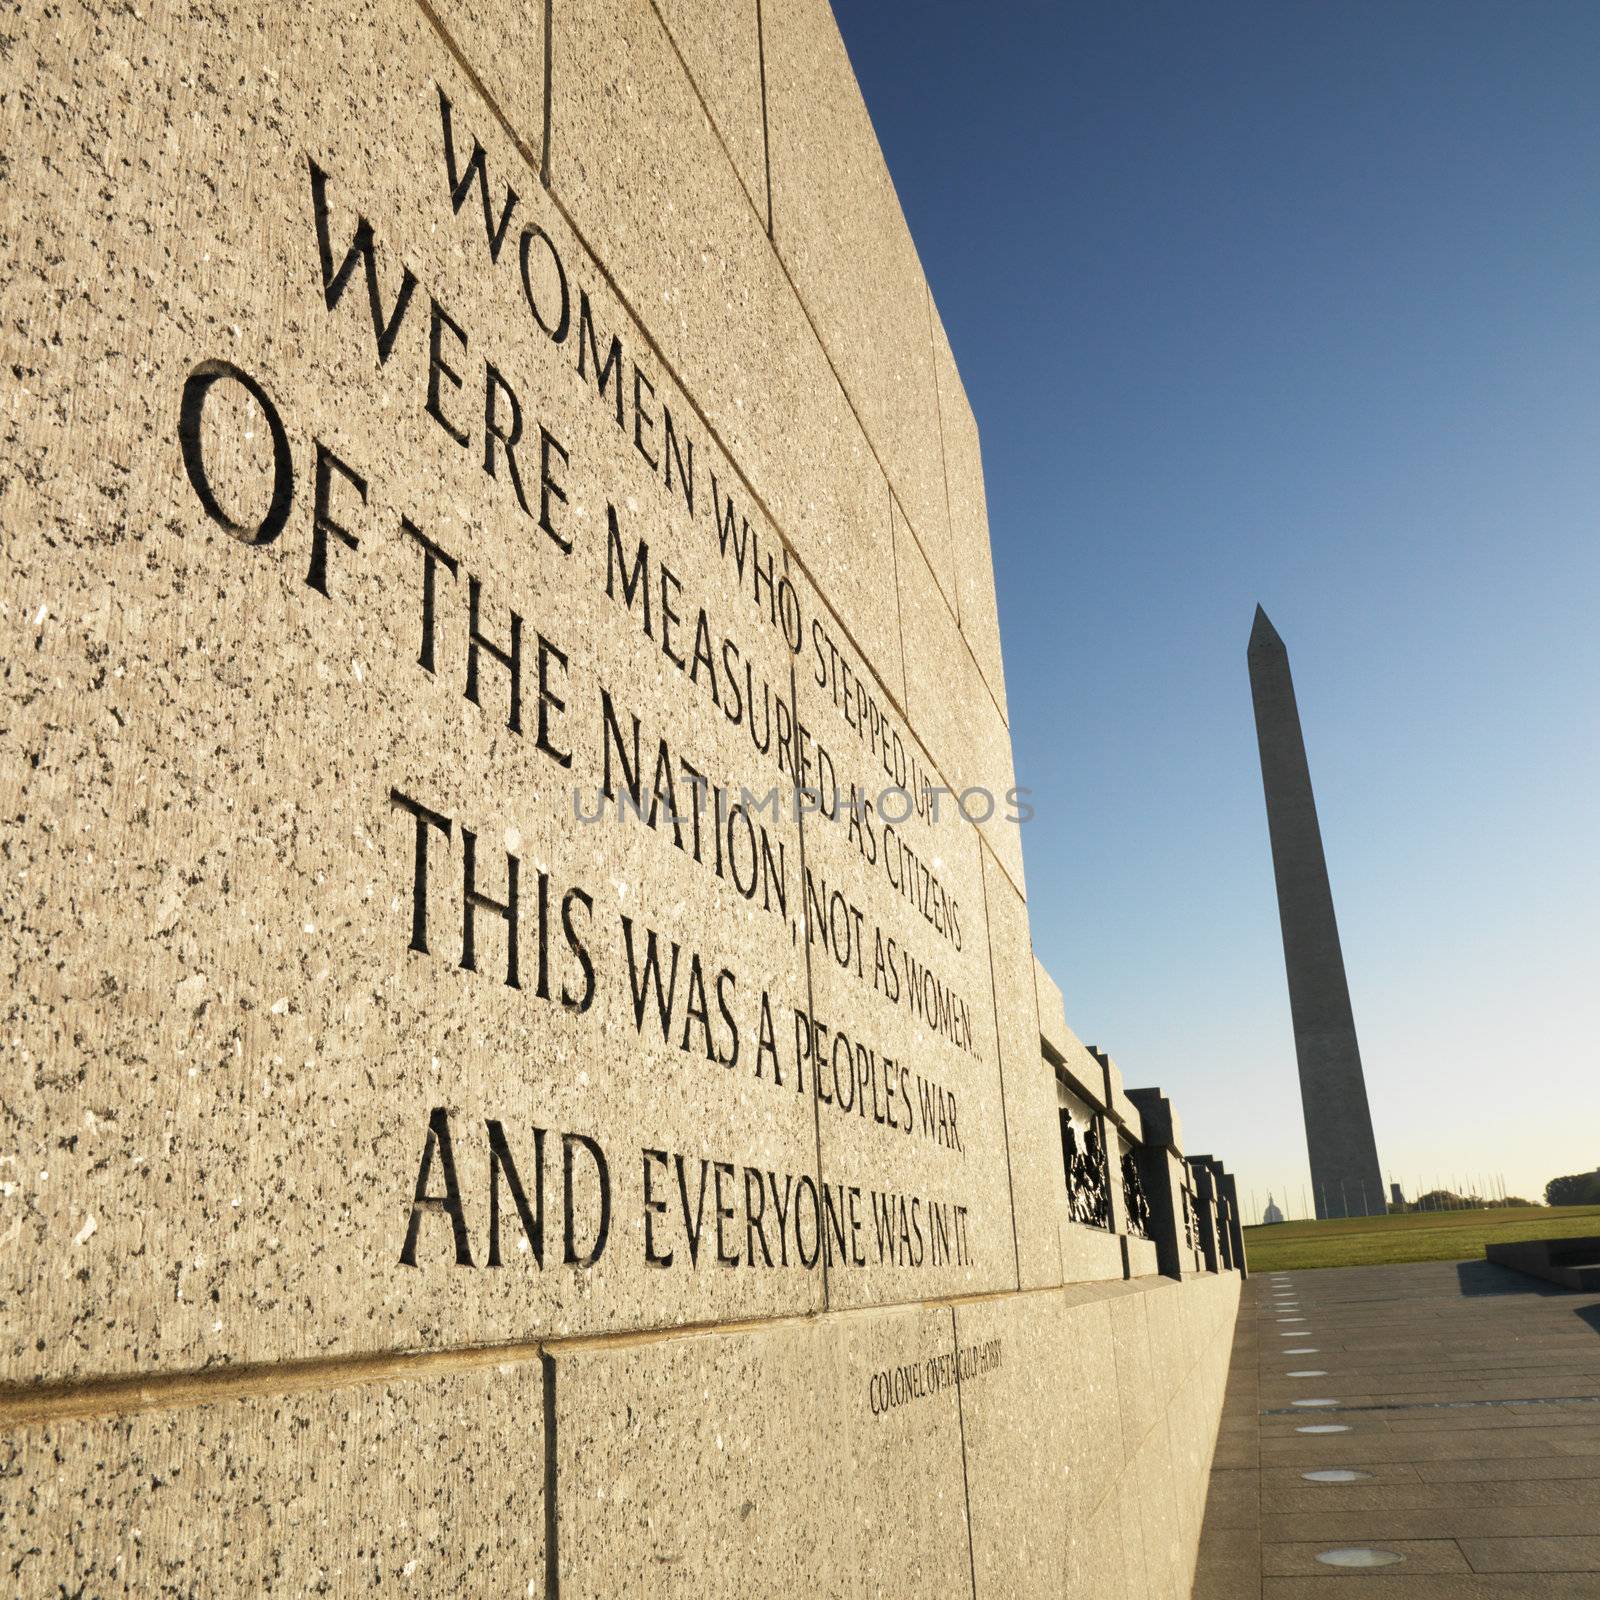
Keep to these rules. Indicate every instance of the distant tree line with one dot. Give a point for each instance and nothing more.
(1576, 1189)
(1449, 1200)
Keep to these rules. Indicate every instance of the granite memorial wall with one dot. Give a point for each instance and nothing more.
(526, 1071)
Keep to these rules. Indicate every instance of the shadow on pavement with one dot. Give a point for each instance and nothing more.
(1486, 1278)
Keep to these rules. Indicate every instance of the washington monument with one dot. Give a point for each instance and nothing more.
(1345, 1178)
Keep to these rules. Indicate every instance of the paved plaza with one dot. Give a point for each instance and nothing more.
(1464, 1396)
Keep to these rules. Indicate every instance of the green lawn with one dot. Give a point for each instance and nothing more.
(1414, 1236)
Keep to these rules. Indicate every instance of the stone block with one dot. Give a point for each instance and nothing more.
(1121, 1108)
(721, 47)
(1191, 1440)
(1097, 1558)
(1117, 1146)
(636, 163)
(1163, 1302)
(1038, 1187)
(1089, 1254)
(733, 1462)
(1061, 1431)
(1158, 1119)
(1152, 1471)
(954, 713)
(902, 988)
(1236, 1226)
(433, 1481)
(1053, 1030)
(1130, 1520)
(976, 608)
(1571, 1263)
(1161, 1175)
(1026, 1442)
(236, 746)
(1076, 1064)
(1204, 1202)
(1142, 1258)
(503, 42)
(1089, 1376)
(1082, 1072)
(833, 209)
(1138, 1399)
(1124, 1111)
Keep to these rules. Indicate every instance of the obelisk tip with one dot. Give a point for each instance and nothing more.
(1263, 634)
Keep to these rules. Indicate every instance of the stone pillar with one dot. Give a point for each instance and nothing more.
(1121, 1124)
(1091, 1246)
(1235, 1224)
(1205, 1201)
(1124, 1133)
(1230, 1231)
(1224, 1220)
(1219, 1186)
(1165, 1179)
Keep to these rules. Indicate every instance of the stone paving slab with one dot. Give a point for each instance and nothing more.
(1419, 1586)
(1467, 1396)
(1428, 1522)
(1549, 1554)
(1571, 1424)
(1534, 1467)
(1399, 1495)
(1379, 1444)
(1421, 1555)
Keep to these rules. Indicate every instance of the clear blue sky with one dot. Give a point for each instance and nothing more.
(1298, 303)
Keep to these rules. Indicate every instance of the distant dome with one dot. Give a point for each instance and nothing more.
(1272, 1213)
